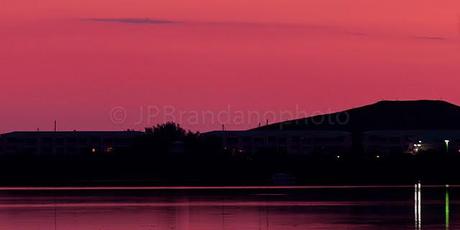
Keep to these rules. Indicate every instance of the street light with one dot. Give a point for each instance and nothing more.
(447, 145)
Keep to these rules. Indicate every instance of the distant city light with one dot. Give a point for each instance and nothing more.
(93, 150)
(418, 147)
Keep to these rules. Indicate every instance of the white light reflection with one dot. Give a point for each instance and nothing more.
(418, 206)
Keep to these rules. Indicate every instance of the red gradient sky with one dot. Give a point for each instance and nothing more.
(218, 56)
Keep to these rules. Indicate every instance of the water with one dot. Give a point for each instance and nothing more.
(213, 208)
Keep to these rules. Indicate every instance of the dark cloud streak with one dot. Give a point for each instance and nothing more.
(430, 38)
(131, 20)
(324, 29)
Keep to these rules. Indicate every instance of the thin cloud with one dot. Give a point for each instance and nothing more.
(430, 38)
(131, 20)
(334, 30)
(320, 29)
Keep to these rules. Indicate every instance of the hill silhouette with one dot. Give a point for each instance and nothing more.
(383, 115)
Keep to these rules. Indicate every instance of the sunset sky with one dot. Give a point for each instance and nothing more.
(81, 62)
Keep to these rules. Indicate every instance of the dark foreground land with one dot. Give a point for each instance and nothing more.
(222, 169)
(153, 158)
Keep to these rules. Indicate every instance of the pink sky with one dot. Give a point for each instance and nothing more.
(79, 61)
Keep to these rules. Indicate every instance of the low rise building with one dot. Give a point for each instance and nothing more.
(66, 143)
(411, 141)
(289, 141)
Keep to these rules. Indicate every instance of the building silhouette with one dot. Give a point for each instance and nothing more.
(66, 143)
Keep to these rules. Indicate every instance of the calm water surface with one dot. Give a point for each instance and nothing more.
(250, 208)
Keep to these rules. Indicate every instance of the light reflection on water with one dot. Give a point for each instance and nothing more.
(266, 208)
